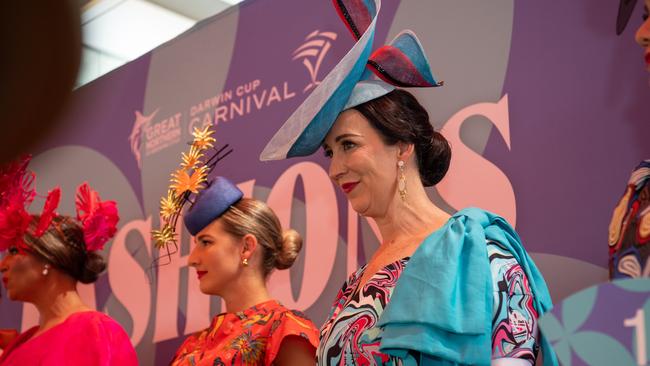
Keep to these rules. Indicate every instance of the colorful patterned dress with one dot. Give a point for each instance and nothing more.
(350, 335)
(84, 338)
(629, 230)
(249, 337)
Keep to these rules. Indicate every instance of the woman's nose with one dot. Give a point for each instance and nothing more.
(336, 168)
(4, 264)
(643, 34)
(192, 259)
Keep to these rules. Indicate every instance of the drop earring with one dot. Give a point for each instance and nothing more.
(46, 270)
(401, 180)
(244, 262)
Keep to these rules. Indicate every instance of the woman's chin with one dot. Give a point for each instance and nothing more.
(11, 295)
(360, 207)
(207, 290)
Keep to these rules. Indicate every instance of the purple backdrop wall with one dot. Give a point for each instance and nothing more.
(544, 97)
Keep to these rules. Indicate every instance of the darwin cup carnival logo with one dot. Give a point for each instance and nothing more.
(152, 132)
(312, 52)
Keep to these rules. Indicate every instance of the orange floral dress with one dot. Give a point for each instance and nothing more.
(249, 337)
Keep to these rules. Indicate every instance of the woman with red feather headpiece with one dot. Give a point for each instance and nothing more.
(46, 256)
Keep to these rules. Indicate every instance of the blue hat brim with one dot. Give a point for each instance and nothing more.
(306, 128)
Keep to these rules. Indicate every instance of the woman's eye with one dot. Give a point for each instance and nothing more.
(347, 145)
(327, 153)
(13, 250)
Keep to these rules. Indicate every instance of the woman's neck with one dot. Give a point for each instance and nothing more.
(247, 292)
(417, 216)
(57, 302)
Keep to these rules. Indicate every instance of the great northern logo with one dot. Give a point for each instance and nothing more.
(136, 134)
(155, 135)
(312, 52)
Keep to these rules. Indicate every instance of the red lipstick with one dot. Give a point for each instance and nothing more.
(5, 280)
(647, 59)
(348, 187)
(200, 274)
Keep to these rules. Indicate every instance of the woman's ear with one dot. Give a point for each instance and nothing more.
(405, 151)
(249, 244)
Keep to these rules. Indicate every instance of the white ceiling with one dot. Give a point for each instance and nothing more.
(195, 9)
(118, 31)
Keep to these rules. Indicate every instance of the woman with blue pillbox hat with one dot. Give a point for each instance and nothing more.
(238, 242)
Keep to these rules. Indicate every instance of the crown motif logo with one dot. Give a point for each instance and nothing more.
(312, 52)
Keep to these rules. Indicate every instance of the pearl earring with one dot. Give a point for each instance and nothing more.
(46, 269)
(245, 262)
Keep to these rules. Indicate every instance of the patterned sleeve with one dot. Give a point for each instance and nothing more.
(514, 322)
(189, 346)
(289, 323)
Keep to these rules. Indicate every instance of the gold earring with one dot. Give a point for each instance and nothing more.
(401, 180)
(46, 270)
(245, 262)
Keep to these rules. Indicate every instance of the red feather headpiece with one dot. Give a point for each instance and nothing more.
(97, 218)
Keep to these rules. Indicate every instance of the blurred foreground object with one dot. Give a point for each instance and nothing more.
(41, 50)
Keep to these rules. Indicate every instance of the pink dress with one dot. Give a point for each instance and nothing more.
(84, 338)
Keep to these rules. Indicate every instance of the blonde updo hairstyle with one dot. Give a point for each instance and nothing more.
(250, 216)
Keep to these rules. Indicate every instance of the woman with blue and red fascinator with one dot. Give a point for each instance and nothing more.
(440, 289)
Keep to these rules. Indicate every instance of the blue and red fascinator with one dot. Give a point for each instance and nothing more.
(400, 63)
